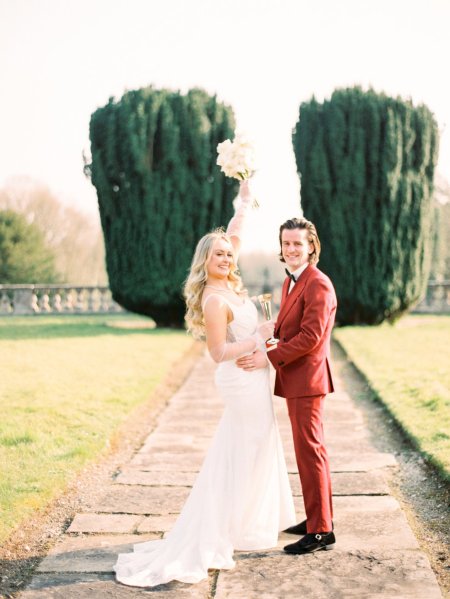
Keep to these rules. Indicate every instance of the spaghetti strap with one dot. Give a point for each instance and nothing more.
(228, 303)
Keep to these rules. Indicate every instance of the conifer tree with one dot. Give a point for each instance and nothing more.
(366, 163)
(159, 190)
(24, 255)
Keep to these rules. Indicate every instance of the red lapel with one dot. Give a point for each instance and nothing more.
(284, 291)
(289, 300)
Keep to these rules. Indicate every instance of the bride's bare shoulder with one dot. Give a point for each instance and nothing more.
(212, 300)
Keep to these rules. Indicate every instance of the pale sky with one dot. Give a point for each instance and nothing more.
(61, 59)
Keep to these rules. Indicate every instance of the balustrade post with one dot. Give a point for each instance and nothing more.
(5, 304)
(56, 303)
(105, 300)
(68, 301)
(44, 303)
(79, 299)
(91, 302)
(24, 301)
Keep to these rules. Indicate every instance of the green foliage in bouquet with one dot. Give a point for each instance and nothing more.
(159, 190)
(24, 255)
(366, 163)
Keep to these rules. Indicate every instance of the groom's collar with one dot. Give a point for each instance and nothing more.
(299, 271)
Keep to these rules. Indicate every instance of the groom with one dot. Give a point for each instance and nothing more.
(301, 360)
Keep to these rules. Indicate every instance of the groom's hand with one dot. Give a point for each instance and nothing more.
(256, 360)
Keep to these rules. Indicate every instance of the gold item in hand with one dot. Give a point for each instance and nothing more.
(266, 307)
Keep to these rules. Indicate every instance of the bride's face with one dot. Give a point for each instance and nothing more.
(220, 262)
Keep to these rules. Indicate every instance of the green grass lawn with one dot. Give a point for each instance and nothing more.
(407, 365)
(66, 383)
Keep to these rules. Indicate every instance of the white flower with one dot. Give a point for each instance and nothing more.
(237, 158)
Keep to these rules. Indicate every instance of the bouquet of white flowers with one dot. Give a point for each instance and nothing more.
(236, 158)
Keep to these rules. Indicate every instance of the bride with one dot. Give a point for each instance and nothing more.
(241, 498)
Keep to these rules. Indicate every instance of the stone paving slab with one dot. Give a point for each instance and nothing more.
(169, 461)
(163, 453)
(90, 554)
(357, 574)
(338, 437)
(345, 455)
(369, 523)
(158, 438)
(357, 429)
(197, 445)
(209, 418)
(142, 500)
(344, 420)
(352, 463)
(346, 443)
(156, 477)
(199, 412)
(344, 483)
(186, 428)
(350, 483)
(157, 523)
(101, 523)
(104, 586)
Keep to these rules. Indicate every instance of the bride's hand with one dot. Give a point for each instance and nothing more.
(266, 329)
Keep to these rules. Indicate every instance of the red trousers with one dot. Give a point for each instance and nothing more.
(306, 415)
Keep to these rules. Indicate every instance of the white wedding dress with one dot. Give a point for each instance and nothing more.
(241, 498)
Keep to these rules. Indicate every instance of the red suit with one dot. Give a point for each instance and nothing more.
(303, 376)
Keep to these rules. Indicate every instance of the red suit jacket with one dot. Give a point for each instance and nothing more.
(302, 356)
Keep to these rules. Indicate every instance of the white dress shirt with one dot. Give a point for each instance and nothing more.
(296, 274)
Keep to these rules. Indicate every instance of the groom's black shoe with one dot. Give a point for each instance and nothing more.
(311, 543)
(300, 529)
(297, 529)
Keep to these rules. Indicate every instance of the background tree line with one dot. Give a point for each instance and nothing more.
(46, 241)
(366, 163)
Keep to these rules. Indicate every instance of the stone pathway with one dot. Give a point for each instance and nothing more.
(376, 554)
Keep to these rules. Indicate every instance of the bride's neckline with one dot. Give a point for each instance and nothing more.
(220, 288)
(225, 290)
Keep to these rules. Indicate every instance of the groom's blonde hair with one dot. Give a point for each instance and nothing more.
(313, 238)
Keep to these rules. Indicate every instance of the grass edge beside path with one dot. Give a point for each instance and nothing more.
(66, 386)
(417, 485)
(391, 392)
(30, 542)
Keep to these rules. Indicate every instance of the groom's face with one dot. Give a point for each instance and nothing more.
(295, 247)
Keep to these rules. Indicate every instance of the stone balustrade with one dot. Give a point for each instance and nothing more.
(436, 300)
(56, 299)
(91, 299)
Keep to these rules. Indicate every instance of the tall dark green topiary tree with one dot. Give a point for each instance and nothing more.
(159, 190)
(366, 163)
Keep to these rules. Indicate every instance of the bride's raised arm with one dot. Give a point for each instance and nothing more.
(235, 226)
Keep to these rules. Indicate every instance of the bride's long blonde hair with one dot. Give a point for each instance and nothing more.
(196, 281)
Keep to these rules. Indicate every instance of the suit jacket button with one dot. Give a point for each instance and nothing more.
(280, 363)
